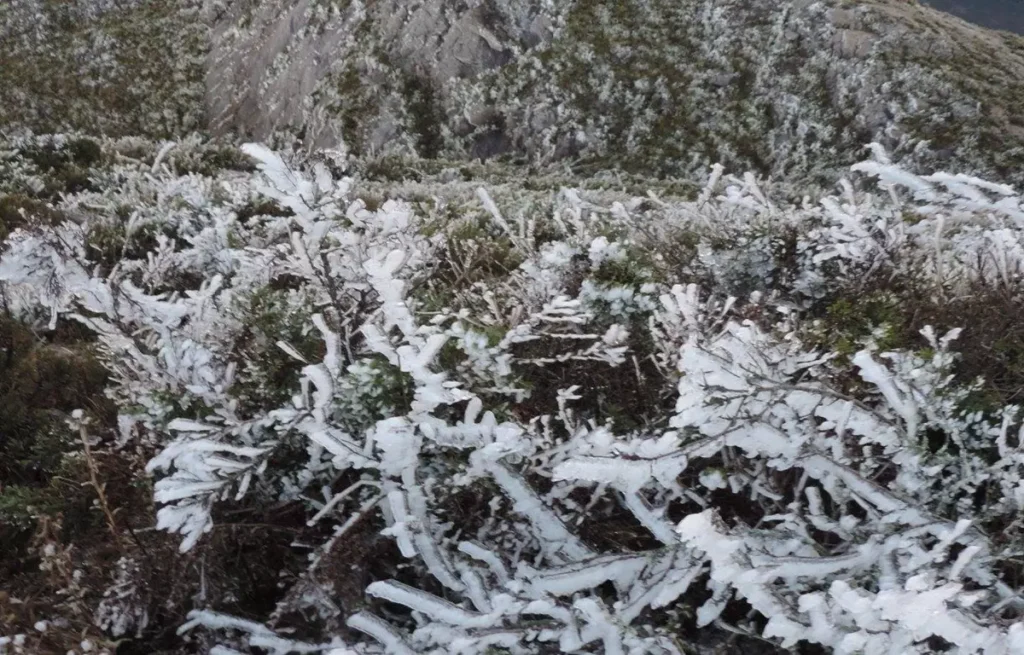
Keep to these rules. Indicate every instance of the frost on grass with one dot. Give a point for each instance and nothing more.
(662, 442)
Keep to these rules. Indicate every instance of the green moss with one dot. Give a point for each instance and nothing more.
(391, 169)
(21, 506)
(107, 241)
(633, 270)
(46, 157)
(474, 251)
(214, 158)
(261, 207)
(64, 169)
(983, 400)
(104, 243)
(378, 391)
(225, 158)
(85, 152)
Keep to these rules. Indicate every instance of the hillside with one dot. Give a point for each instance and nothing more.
(516, 327)
(791, 89)
(117, 67)
(373, 416)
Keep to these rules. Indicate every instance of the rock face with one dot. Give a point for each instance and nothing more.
(789, 88)
(368, 70)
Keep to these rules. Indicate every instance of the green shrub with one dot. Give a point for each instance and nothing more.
(65, 170)
(40, 384)
(85, 152)
(18, 210)
(270, 374)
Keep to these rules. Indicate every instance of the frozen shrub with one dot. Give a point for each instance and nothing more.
(650, 446)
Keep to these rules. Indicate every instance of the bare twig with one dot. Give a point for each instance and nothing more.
(94, 481)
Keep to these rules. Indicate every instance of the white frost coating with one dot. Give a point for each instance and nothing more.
(548, 525)
(425, 542)
(427, 391)
(159, 159)
(492, 209)
(332, 358)
(628, 475)
(400, 520)
(432, 606)
(185, 425)
(899, 399)
(259, 635)
(567, 580)
(202, 469)
(475, 589)
(292, 352)
(285, 186)
(488, 558)
(381, 631)
(600, 625)
(821, 467)
(660, 528)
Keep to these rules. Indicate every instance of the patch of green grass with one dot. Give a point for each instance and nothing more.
(214, 158)
(261, 207)
(633, 270)
(107, 242)
(392, 391)
(474, 251)
(85, 152)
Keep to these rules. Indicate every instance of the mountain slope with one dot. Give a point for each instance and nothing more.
(119, 67)
(659, 87)
(490, 385)
(656, 87)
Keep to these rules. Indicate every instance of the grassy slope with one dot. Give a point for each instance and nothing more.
(133, 70)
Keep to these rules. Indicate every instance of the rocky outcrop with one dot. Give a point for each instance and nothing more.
(368, 69)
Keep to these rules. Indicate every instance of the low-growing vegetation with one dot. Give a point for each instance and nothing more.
(270, 408)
